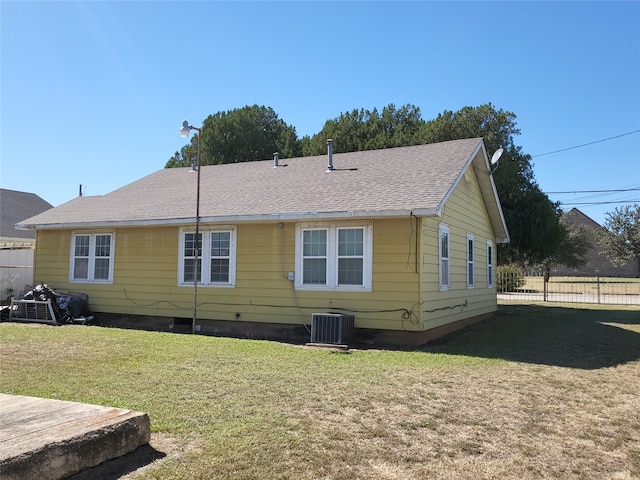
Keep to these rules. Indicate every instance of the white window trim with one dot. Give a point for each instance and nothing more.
(92, 257)
(444, 285)
(206, 257)
(332, 257)
(490, 263)
(471, 261)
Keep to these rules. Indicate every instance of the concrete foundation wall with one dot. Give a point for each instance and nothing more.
(279, 332)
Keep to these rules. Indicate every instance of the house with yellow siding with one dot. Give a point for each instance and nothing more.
(399, 241)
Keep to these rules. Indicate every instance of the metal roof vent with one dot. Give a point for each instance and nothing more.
(330, 154)
(276, 161)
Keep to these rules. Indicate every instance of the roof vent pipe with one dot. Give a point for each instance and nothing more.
(330, 153)
(276, 158)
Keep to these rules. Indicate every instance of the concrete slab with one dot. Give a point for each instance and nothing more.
(52, 439)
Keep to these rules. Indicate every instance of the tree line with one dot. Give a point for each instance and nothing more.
(538, 238)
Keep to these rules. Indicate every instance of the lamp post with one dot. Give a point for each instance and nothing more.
(184, 132)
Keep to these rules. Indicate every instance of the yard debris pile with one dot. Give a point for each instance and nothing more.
(67, 307)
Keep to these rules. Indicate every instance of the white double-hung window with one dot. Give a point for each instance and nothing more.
(443, 247)
(489, 264)
(334, 257)
(471, 263)
(92, 258)
(211, 257)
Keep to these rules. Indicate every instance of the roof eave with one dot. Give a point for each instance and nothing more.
(225, 219)
(490, 194)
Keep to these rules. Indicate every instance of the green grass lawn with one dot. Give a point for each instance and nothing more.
(536, 392)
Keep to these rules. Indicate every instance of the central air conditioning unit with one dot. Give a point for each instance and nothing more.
(332, 328)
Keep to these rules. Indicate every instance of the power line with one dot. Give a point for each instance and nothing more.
(597, 191)
(585, 144)
(598, 203)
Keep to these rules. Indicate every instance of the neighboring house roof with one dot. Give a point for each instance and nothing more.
(595, 260)
(374, 183)
(17, 206)
(577, 218)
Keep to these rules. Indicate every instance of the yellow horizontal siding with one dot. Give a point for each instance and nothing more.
(464, 212)
(146, 276)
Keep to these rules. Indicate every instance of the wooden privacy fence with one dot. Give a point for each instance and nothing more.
(596, 289)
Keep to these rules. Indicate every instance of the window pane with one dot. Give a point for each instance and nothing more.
(81, 268)
(314, 271)
(101, 271)
(220, 244)
(82, 246)
(350, 242)
(103, 245)
(444, 240)
(444, 264)
(190, 244)
(350, 271)
(489, 265)
(470, 249)
(189, 264)
(314, 243)
(470, 273)
(220, 270)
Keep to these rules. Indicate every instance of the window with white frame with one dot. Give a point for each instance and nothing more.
(333, 257)
(470, 261)
(489, 263)
(211, 259)
(92, 258)
(443, 247)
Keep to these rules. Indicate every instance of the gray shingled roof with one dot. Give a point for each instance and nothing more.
(368, 183)
(16, 206)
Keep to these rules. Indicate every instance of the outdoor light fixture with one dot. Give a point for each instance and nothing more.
(185, 129)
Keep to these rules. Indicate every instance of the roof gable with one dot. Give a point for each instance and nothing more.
(575, 217)
(371, 183)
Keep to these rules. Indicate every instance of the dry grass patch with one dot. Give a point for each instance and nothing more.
(536, 392)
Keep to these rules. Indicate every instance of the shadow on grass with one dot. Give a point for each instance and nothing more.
(118, 467)
(564, 337)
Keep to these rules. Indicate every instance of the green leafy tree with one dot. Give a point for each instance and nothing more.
(533, 220)
(497, 128)
(362, 129)
(621, 235)
(241, 135)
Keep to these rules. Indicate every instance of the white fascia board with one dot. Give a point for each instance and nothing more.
(232, 219)
(459, 177)
(494, 192)
(109, 224)
(423, 212)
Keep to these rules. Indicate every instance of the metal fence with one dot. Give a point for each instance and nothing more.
(602, 290)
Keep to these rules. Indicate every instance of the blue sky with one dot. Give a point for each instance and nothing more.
(94, 93)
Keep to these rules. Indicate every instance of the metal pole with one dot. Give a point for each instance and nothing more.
(197, 241)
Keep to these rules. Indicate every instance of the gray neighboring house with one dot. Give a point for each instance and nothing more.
(17, 246)
(597, 263)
